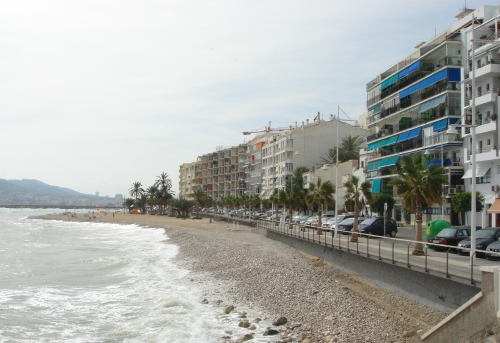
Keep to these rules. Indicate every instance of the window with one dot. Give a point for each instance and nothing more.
(432, 210)
(487, 87)
(485, 179)
(488, 141)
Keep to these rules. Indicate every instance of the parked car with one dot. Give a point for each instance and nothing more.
(484, 238)
(449, 236)
(329, 225)
(347, 224)
(493, 251)
(375, 226)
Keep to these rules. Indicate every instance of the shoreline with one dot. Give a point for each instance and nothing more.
(277, 280)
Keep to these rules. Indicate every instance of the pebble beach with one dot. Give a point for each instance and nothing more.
(242, 269)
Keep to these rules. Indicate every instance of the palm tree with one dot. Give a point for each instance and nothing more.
(417, 185)
(163, 182)
(254, 201)
(136, 189)
(349, 148)
(128, 203)
(331, 156)
(276, 199)
(199, 197)
(297, 180)
(151, 195)
(294, 199)
(321, 193)
(360, 194)
(141, 203)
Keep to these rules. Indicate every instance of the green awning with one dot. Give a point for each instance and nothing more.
(389, 81)
(382, 143)
(389, 141)
(386, 162)
(376, 186)
(376, 109)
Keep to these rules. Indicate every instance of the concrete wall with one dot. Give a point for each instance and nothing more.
(442, 294)
(472, 317)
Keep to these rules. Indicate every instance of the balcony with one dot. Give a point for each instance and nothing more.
(484, 154)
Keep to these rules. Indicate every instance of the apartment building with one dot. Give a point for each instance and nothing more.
(253, 164)
(219, 173)
(187, 179)
(482, 81)
(303, 145)
(411, 107)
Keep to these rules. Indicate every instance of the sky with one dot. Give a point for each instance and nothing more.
(96, 95)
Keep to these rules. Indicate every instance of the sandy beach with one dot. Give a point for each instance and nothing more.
(277, 280)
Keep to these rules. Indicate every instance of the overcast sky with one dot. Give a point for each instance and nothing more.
(95, 95)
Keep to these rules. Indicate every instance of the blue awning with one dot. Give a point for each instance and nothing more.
(432, 103)
(376, 186)
(414, 133)
(453, 75)
(409, 69)
(443, 124)
(409, 135)
(402, 137)
(376, 109)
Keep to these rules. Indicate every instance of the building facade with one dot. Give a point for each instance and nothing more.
(305, 145)
(432, 101)
(480, 90)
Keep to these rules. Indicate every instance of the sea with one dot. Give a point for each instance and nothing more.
(63, 281)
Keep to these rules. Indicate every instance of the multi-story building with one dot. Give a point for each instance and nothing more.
(219, 173)
(187, 179)
(410, 108)
(253, 164)
(303, 145)
(482, 81)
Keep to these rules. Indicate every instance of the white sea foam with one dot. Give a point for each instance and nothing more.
(97, 282)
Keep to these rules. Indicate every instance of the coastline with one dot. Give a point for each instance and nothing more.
(277, 280)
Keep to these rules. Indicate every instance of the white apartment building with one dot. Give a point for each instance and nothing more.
(486, 88)
(187, 179)
(302, 145)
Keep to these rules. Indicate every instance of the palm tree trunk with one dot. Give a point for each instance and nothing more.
(418, 249)
(354, 236)
(290, 222)
(320, 213)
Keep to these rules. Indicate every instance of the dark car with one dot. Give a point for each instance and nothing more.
(484, 238)
(375, 226)
(493, 251)
(347, 224)
(449, 236)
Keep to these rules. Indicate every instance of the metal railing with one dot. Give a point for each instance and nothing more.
(389, 250)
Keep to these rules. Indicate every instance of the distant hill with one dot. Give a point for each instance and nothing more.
(38, 188)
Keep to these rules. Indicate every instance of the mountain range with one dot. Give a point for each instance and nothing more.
(37, 188)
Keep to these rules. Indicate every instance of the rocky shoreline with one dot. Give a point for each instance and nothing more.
(247, 270)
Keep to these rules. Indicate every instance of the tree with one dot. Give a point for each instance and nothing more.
(266, 203)
(165, 193)
(321, 194)
(359, 193)
(136, 189)
(151, 195)
(348, 150)
(276, 199)
(462, 202)
(297, 179)
(141, 203)
(254, 201)
(349, 205)
(294, 199)
(417, 185)
(182, 206)
(128, 203)
(199, 197)
(377, 204)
